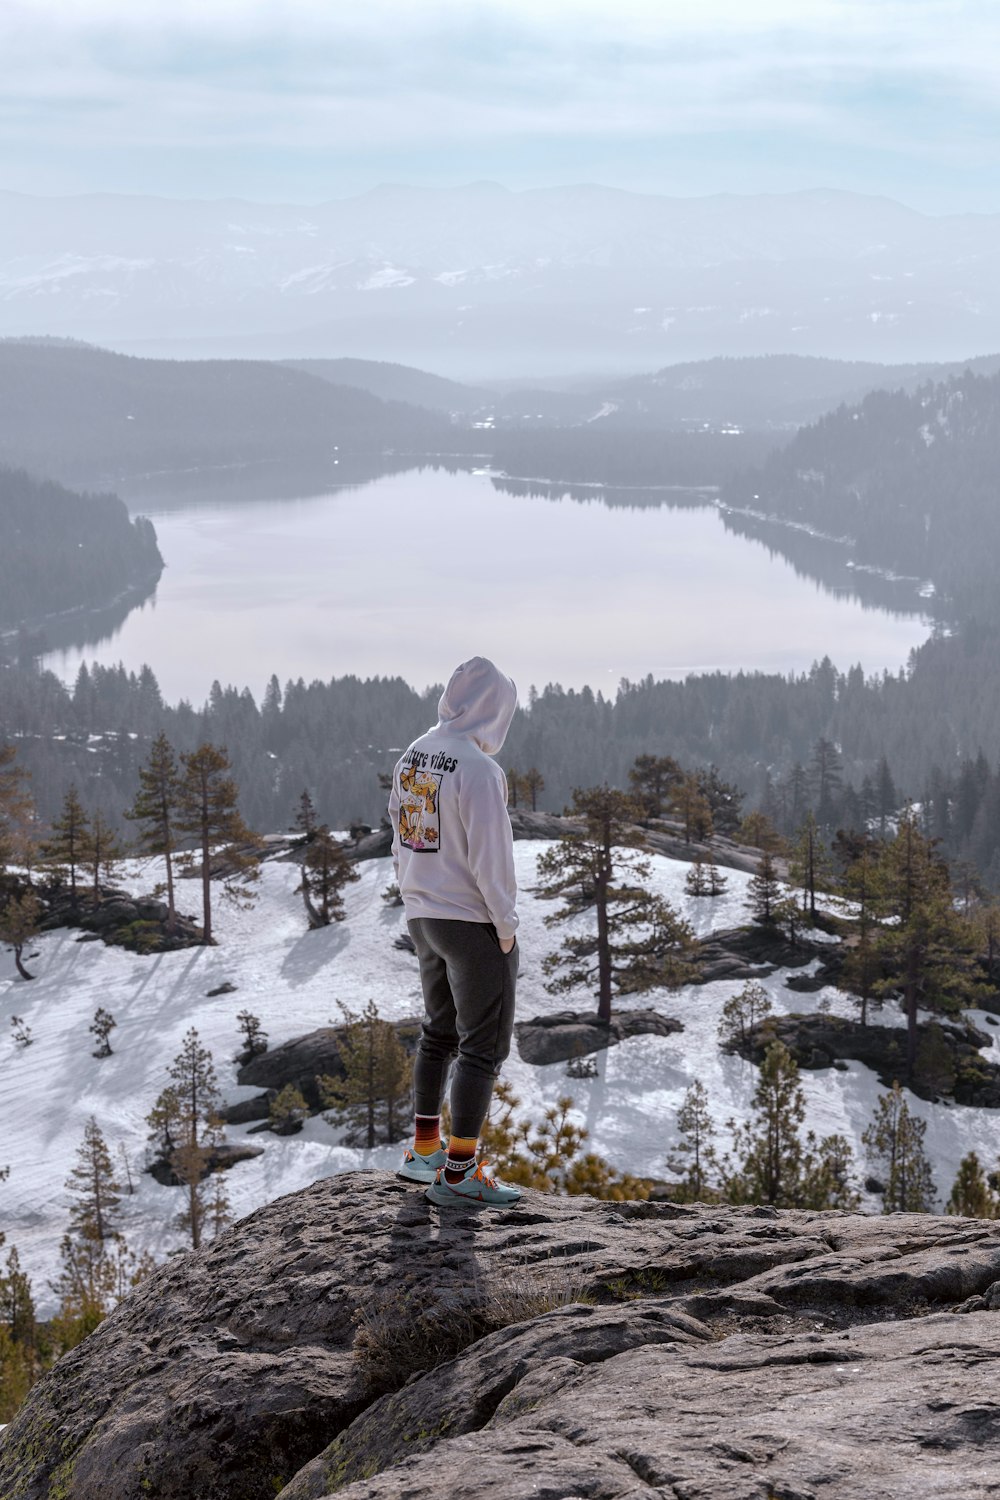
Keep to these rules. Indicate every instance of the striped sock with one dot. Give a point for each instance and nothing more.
(461, 1156)
(427, 1135)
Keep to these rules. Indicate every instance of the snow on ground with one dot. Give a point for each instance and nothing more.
(294, 980)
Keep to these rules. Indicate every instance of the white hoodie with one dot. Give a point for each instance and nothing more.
(452, 844)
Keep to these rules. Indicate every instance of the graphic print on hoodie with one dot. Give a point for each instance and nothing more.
(449, 798)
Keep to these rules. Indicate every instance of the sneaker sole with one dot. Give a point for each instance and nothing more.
(464, 1200)
(424, 1179)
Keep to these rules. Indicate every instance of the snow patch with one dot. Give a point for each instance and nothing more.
(294, 980)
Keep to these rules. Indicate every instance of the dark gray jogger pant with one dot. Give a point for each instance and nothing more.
(468, 984)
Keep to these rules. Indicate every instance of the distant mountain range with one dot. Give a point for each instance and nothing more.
(480, 283)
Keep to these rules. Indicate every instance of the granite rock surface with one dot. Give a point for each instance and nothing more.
(351, 1340)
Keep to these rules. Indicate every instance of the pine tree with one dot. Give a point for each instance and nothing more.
(254, 1036)
(810, 866)
(19, 919)
(16, 810)
(102, 1026)
(886, 796)
(986, 926)
(288, 1111)
(692, 807)
(548, 1154)
(764, 891)
(694, 1156)
(95, 1276)
(825, 780)
(758, 832)
(534, 782)
(101, 853)
(971, 1195)
(829, 1180)
(155, 810)
(775, 1165)
(17, 1307)
(218, 1214)
(326, 870)
(305, 822)
(653, 779)
(515, 786)
(92, 1182)
(185, 1126)
(926, 949)
(208, 811)
(717, 882)
(372, 1097)
(724, 799)
(862, 962)
(65, 849)
(640, 942)
(21, 1358)
(742, 1013)
(895, 1142)
(695, 883)
(798, 795)
(934, 1066)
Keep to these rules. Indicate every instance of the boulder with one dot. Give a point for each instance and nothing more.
(350, 1339)
(217, 1158)
(662, 836)
(573, 1033)
(806, 984)
(302, 1059)
(956, 1066)
(138, 924)
(257, 1108)
(109, 914)
(754, 952)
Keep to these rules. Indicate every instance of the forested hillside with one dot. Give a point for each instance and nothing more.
(82, 414)
(596, 454)
(911, 479)
(768, 391)
(63, 551)
(392, 382)
(932, 732)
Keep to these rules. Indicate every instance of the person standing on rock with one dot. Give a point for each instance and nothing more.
(453, 850)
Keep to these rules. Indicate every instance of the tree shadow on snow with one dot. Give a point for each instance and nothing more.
(312, 952)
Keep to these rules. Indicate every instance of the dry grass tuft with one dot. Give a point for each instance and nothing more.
(402, 1333)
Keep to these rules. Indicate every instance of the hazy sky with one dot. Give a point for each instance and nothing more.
(312, 99)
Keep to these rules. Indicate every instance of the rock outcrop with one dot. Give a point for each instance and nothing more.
(350, 1340)
(576, 1033)
(662, 836)
(299, 1062)
(138, 923)
(950, 1062)
(753, 952)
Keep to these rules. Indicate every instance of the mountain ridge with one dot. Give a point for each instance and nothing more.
(481, 274)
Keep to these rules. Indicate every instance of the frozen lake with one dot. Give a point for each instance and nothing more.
(417, 570)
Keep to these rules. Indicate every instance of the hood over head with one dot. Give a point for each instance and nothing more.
(479, 703)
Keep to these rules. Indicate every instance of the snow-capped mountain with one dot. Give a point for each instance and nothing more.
(293, 980)
(480, 279)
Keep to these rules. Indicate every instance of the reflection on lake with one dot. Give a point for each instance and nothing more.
(415, 571)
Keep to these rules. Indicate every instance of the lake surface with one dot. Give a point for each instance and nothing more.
(418, 570)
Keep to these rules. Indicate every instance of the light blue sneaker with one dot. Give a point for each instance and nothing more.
(475, 1190)
(421, 1168)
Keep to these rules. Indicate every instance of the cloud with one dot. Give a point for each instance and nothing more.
(397, 77)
